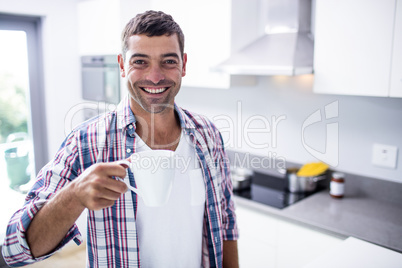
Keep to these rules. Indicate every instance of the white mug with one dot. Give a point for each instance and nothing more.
(154, 172)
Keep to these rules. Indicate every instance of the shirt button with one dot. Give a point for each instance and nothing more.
(128, 150)
(130, 126)
(211, 208)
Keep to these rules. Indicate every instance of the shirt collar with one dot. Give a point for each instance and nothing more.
(184, 119)
(125, 116)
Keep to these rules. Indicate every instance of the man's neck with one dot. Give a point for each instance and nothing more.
(159, 130)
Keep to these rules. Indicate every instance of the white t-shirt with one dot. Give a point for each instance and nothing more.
(171, 235)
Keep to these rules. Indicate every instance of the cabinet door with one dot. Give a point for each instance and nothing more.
(206, 26)
(257, 238)
(98, 27)
(268, 241)
(353, 46)
(396, 71)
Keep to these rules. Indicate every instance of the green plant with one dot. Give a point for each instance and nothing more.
(13, 107)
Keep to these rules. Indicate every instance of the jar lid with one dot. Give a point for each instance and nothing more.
(338, 175)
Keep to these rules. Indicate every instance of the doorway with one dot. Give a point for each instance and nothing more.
(23, 146)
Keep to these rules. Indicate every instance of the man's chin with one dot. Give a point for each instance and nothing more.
(150, 105)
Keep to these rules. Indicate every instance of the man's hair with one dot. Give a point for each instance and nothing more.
(151, 23)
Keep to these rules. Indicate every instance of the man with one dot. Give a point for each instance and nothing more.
(197, 228)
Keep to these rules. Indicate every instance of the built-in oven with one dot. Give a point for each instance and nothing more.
(101, 78)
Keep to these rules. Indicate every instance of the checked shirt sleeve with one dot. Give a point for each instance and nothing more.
(51, 179)
(229, 223)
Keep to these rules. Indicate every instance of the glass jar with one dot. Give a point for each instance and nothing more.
(337, 185)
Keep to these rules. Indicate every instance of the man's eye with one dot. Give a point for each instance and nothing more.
(138, 62)
(171, 62)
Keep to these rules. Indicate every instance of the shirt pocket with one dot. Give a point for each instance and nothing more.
(197, 187)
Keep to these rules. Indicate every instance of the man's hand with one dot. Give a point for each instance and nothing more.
(96, 188)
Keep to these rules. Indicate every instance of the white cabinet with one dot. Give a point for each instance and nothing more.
(354, 252)
(354, 47)
(207, 29)
(99, 27)
(396, 69)
(268, 241)
(206, 26)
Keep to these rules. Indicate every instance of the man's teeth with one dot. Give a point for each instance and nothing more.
(154, 90)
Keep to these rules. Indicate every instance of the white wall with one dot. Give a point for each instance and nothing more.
(362, 121)
(61, 61)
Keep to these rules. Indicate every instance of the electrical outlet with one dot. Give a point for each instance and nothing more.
(384, 155)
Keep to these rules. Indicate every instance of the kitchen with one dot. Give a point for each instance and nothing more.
(93, 28)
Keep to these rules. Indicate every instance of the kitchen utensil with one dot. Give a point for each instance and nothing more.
(241, 178)
(302, 184)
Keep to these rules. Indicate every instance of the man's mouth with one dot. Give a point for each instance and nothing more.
(153, 90)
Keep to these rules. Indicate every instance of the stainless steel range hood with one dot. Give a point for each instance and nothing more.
(287, 47)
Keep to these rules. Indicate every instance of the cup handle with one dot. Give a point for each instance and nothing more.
(126, 165)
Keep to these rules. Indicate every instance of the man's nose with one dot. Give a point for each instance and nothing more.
(155, 74)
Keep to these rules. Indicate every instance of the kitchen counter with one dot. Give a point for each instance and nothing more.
(371, 209)
(372, 220)
(361, 213)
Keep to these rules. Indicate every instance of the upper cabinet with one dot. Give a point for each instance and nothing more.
(206, 25)
(99, 27)
(207, 29)
(358, 47)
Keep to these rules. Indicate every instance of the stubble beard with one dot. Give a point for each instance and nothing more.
(157, 105)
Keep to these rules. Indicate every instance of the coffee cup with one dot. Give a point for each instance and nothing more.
(153, 172)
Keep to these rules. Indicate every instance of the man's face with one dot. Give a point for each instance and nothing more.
(153, 70)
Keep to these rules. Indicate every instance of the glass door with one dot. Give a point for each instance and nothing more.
(16, 148)
(21, 112)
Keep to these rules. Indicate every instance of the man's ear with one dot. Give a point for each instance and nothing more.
(184, 64)
(121, 65)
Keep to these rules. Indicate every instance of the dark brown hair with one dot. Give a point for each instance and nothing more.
(151, 23)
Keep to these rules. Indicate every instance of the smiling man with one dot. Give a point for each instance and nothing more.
(196, 228)
(153, 67)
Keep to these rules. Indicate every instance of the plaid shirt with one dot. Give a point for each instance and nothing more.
(112, 236)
